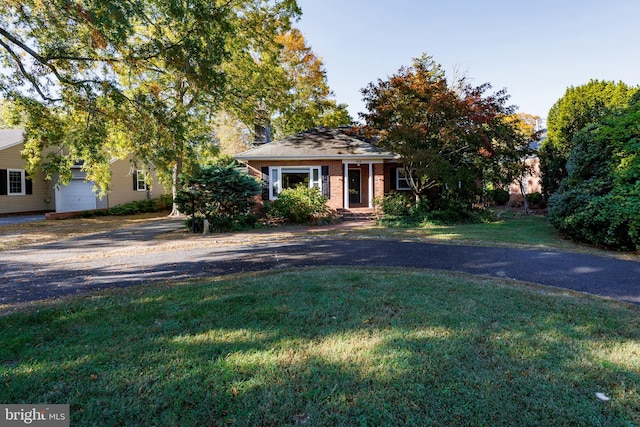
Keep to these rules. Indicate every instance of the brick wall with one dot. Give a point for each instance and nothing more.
(533, 180)
(336, 183)
(379, 180)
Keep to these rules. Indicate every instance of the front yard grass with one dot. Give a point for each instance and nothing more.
(525, 230)
(329, 347)
(517, 231)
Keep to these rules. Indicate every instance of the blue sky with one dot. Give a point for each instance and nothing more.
(534, 49)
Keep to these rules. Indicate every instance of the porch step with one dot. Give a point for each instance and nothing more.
(364, 215)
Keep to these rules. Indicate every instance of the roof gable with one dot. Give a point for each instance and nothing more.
(317, 143)
(10, 138)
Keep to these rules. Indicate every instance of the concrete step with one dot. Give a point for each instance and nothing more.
(358, 216)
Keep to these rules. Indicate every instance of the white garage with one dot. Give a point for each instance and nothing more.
(78, 195)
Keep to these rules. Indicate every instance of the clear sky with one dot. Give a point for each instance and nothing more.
(534, 49)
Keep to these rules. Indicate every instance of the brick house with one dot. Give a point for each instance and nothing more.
(349, 170)
(532, 182)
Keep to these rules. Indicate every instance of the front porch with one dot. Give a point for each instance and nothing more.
(363, 182)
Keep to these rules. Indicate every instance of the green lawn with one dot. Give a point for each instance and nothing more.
(329, 347)
(522, 231)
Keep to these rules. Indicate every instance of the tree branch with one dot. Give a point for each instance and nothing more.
(26, 74)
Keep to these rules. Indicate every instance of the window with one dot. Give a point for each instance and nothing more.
(292, 176)
(15, 181)
(401, 180)
(141, 184)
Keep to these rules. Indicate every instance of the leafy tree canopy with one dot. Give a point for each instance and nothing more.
(599, 200)
(448, 133)
(282, 84)
(579, 107)
(103, 79)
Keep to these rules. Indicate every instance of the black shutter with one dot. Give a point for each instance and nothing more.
(28, 184)
(392, 178)
(326, 187)
(135, 180)
(265, 183)
(3, 183)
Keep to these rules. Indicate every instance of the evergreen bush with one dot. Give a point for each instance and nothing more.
(224, 196)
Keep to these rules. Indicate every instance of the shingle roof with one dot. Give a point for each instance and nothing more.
(317, 143)
(10, 137)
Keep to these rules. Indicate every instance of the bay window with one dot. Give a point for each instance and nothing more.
(283, 177)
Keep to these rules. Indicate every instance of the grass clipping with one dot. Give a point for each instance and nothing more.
(329, 347)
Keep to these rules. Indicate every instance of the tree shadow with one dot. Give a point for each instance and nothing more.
(292, 348)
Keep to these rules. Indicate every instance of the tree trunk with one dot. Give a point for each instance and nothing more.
(177, 170)
(523, 191)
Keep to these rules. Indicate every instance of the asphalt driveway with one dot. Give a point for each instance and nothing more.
(19, 219)
(136, 256)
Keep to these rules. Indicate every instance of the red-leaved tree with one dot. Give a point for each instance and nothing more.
(448, 134)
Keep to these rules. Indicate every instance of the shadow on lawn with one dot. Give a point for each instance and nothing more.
(301, 348)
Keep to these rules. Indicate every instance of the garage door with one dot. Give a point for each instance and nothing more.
(77, 196)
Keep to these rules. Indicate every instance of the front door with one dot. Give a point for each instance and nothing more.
(354, 186)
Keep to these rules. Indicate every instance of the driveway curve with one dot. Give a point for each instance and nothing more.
(130, 256)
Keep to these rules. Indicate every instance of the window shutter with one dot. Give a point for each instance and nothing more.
(326, 187)
(392, 178)
(28, 184)
(265, 183)
(4, 190)
(135, 180)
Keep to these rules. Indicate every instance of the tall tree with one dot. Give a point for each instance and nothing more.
(126, 76)
(444, 133)
(258, 84)
(232, 136)
(283, 84)
(578, 107)
(514, 160)
(309, 93)
(599, 200)
(415, 115)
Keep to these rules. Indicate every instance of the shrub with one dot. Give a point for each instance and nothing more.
(224, 196)
(534, 198)
(394, 204)
(461, 216)
(500, 196)
(402, 211)
(419, 210)
(300, 205)
(135, 207)
(599, 201)
(92, 213)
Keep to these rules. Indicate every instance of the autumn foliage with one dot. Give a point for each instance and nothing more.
(450, 135)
